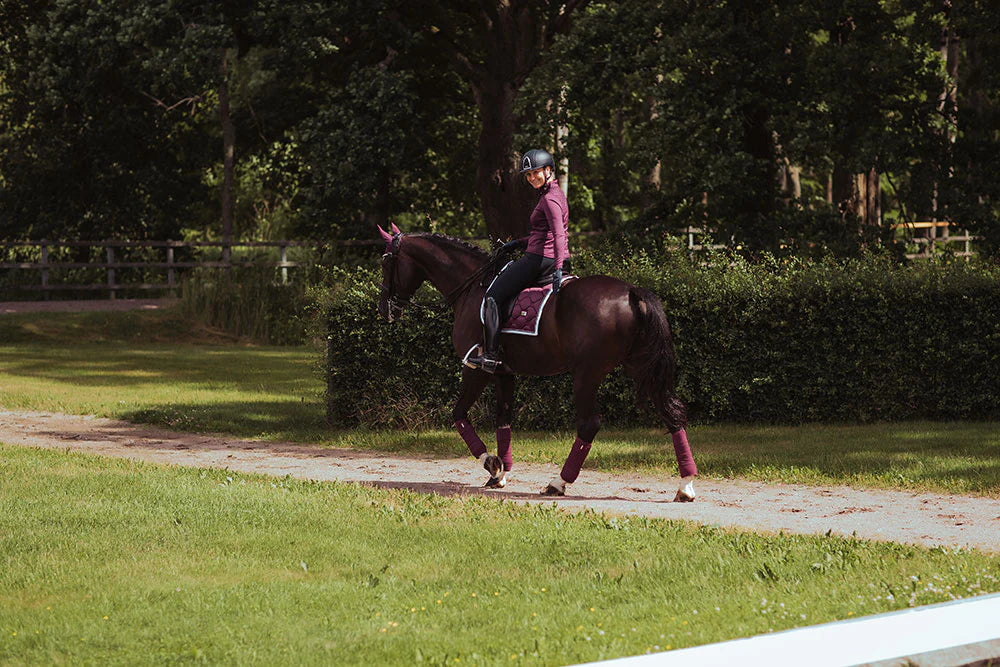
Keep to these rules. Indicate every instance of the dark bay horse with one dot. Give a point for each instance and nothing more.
(590, 327)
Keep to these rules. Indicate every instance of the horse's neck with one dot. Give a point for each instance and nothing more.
(447, 270)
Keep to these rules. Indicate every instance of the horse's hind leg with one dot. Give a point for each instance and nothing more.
(504, 415)
(675, 414)
(473, 383)
(588, 423)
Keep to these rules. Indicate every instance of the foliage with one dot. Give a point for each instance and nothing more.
(754, 118)
(778, 340)
(700, 115)
(82, 149)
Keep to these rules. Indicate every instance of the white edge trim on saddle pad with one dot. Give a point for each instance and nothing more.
(541, 308)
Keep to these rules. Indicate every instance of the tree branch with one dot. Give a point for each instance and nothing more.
(463, 64)
(190, 101)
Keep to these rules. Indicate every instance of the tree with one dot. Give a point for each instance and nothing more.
(970, 193)
(83, 152)
(493, 46)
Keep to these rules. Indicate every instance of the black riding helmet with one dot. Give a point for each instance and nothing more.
(537, 158)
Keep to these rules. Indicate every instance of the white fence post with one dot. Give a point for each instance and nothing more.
(111, 271)
(45, 270)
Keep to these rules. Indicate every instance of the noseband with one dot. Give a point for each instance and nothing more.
(393, 302)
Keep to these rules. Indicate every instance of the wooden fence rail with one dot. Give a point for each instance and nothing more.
(929, 236)
(934, 235)
(45, 266)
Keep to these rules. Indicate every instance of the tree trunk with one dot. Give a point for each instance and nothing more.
(948, 98)
(845, 195)
(495, 56)
(757, 202)
(228, 157)
(380, 214)
(873, 198)
(506, 198)
(653, 177)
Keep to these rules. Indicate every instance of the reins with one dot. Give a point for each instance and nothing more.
(450, 298)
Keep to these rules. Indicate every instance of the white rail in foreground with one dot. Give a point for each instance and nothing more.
(898, 634)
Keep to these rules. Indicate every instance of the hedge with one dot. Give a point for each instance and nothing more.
(773, 341)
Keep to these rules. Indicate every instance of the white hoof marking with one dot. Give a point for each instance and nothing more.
(685, 492)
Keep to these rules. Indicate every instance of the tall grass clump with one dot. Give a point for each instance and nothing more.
(250, 302)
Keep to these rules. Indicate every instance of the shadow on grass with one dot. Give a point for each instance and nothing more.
(948, 456)
(294, 421)
(300, 422)
(282, 370)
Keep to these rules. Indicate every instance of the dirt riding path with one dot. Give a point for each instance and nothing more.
(915, 518)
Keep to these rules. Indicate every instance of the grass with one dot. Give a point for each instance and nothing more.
(113, 561)
(154, 367)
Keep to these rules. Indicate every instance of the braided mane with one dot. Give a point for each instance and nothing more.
(453, 242)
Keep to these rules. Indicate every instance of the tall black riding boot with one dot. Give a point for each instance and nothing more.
(490, 360)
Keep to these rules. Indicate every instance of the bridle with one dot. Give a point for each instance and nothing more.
(395, 304)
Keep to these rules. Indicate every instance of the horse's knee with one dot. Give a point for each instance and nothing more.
(587, 428)
(458, 415)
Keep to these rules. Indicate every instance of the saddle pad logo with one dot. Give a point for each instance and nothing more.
(527, 311)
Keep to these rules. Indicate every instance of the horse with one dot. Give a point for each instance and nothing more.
(593, 325)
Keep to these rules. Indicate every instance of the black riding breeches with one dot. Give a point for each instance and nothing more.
(522, 273)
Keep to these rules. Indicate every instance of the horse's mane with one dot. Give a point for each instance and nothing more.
(451, 241)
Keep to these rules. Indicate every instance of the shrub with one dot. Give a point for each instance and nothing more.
(772, 340)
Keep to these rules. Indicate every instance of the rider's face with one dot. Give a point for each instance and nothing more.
(537, 177)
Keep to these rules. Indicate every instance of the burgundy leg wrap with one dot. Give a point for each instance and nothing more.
(503, 447)
(476, 446)
(577, 455)
(685, 462)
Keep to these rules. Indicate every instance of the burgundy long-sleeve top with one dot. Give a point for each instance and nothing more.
(549, 224)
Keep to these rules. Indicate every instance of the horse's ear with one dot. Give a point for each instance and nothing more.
(386, 236)
(395, 229)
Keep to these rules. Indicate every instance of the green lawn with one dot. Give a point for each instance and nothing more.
(156, 368)
(112, 561)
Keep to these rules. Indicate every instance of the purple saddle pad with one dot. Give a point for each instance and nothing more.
(526, 312)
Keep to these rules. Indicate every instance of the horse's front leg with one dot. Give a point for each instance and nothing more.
(473, 383)
(504, 416)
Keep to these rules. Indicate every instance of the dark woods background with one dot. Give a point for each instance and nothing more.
(787, 126)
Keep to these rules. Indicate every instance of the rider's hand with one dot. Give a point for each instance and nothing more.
(556, 279)
(513, 245)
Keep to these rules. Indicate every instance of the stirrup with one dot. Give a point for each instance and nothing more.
(484, 363)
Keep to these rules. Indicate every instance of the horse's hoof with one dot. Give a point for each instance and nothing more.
(495, 483)
(685, 494)
(552, 491)
(493, 465)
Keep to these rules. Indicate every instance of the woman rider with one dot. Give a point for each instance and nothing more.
(546, 248)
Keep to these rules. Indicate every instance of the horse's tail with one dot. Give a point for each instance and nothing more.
(651, 361)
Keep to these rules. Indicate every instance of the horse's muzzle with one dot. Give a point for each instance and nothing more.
(390, 310)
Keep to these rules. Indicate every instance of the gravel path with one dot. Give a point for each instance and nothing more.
(914, 518)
